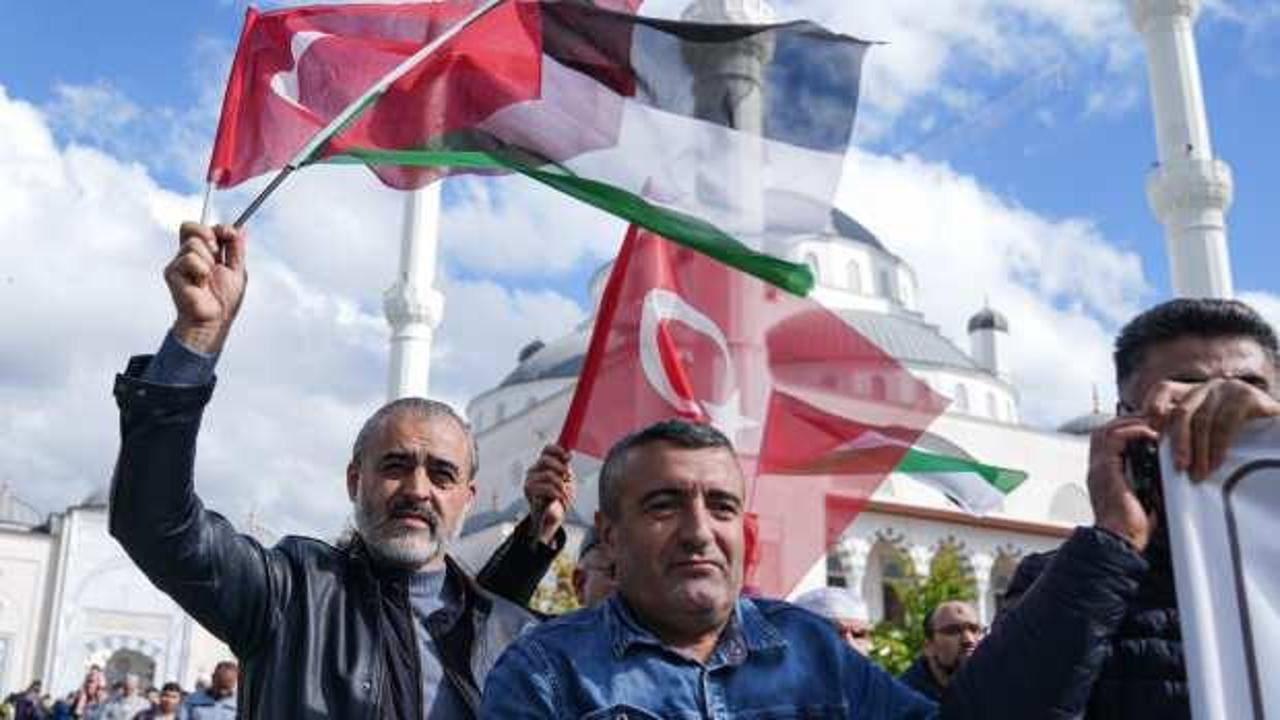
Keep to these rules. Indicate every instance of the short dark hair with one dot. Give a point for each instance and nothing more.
(927, 623)
(171, 686)
(675, 431)
(1197, 317)
(422, 407)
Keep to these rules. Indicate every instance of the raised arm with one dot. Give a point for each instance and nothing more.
(516, 567)
(223, 579)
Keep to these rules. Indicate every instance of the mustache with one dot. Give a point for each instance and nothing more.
(421, 510)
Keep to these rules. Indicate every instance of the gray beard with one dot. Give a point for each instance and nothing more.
(406, 550)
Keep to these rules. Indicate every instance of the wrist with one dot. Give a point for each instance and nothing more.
(203, 338)
(1137, 538)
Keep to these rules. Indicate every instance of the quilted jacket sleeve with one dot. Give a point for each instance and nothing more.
(1044, 653)
(225, 580)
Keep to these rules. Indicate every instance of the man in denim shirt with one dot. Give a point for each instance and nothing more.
(677, 639)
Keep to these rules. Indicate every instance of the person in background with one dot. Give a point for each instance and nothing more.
(593, 576)
(951, 634)
(167, 705)
(85, 700)
(129, 702)
(845, 611)
(218, 700)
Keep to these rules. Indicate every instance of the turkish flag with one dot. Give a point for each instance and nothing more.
(295, 69)
(787, 380)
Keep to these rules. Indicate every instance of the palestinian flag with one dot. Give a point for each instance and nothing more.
(721, 137)
(803, 439)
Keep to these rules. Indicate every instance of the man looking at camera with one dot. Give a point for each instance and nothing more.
(387, 625)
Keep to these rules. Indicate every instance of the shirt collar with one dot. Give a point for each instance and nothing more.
(748, 632)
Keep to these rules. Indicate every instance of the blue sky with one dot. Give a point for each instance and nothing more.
(994, 177)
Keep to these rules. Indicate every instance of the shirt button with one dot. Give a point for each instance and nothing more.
(366, 686)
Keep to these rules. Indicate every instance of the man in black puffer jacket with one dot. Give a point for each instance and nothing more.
(1194, 370)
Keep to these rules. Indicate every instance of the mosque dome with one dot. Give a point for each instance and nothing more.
(988, 319)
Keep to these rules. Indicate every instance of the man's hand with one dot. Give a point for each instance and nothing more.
(549, 489)
(1115, 506)
(1203, 419)
(207, 280)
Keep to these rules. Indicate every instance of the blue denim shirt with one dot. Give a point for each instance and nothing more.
(774, 660)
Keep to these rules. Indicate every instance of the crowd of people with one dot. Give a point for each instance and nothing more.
(387, 624)
(129, 699)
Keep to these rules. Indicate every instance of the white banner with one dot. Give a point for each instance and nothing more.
(1225, 536)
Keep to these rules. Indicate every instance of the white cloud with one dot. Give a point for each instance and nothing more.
(1266, 303)
(1063, 287)
(80, 282)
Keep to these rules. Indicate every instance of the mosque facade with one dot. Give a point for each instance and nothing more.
(71, 598)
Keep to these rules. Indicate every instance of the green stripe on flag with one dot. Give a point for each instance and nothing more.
(677, 226)
(919, 461)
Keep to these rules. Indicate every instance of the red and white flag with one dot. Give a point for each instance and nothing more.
(681, 335)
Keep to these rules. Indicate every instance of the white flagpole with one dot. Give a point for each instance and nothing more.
(350, 112)
(205, 208)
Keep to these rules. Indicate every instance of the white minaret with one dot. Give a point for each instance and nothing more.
(1189, 190)
(988, 342)
(413, 306)
(734, 75)
(732, 78)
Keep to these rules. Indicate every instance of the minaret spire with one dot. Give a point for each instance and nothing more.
(412, 305)
(1190, 190)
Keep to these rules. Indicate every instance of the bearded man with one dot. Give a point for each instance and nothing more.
(386, 626)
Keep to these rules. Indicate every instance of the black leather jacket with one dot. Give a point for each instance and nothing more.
(320, 631)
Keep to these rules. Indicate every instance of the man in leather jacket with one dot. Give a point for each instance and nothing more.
(387, 626)
(1192, 369)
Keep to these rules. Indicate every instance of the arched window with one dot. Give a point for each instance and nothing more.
(888, 568)
(837, 574)
(855, 277)
(962, 398)
(130, 662)
(478, 421)
(887, 287)
(812, 261)
(993, 411)
(502, 413)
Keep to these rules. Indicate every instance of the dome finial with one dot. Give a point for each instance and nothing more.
(1097, 403)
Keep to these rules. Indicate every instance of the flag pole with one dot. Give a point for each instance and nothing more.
(204, 208)
(349, 114)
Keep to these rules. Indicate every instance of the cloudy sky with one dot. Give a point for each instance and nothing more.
(1001, 148)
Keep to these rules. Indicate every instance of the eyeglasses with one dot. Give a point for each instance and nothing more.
(958, 628)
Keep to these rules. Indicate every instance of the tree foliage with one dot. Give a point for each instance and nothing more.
(555, 595)
(895, 644)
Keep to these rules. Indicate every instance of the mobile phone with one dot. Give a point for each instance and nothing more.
(1142, 469)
